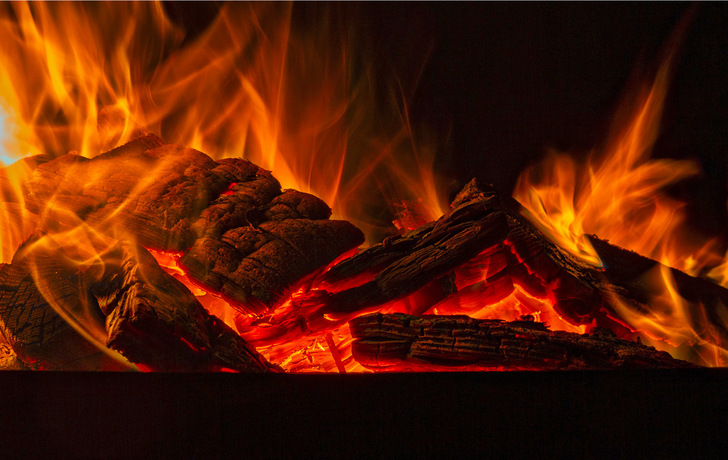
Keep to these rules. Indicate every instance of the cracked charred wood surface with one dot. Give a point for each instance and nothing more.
(153, 319)
(404, 264)
(145, 314)
(405, 342)
(40, 337)
(237, 232)
(512, 251)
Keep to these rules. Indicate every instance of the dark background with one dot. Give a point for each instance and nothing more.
(610, 415)
(498, 83)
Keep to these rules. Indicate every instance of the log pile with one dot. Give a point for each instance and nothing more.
(239, 236)
(512, 252)
(238, 233)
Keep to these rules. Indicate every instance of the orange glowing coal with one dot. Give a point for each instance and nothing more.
(85, 77)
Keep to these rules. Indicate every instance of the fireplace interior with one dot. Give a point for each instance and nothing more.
(504, 93)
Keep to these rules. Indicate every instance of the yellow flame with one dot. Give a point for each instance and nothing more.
(619, 195)
(299, 101)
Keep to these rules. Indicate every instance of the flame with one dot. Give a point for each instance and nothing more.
(619, 194)
(295, 97)
(298, 99)
(671, 325)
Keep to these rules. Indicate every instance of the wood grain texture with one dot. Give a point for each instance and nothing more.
(405, 342)
(152, 319)
(239, 234)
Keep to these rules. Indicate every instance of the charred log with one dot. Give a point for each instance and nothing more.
(148, 316)
(238, 233)
(37, 334)
(407, 263)
(404, 342)
(512, 251)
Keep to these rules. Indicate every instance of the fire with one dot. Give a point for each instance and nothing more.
(619, 195)
(257, 84)
(85, 77)
(298, 99)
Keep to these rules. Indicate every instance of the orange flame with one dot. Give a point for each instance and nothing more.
(294, 97)
(619, 195)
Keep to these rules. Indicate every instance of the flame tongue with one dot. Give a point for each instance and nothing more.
(619, 196)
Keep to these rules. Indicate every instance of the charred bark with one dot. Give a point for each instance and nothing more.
(407, 263)
(39, 336)
(512, 251)
(405, 342)
(238, 233)
(145, 314)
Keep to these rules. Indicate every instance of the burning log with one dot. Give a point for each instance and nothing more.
(40, 337)
(499, 252)
(407, 263)
(404, 342)
(148, 316)
(236, 231)
(238, 235)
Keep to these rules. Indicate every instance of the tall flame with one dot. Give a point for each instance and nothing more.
(619, 194)
(295, 97)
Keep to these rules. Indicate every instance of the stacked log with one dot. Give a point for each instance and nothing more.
(239, 236)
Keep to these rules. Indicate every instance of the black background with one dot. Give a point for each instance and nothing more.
(591, 415)
(498, 83)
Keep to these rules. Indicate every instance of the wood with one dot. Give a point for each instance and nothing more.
(404, 342)
(513, 252)
(241, 237)
(40, 337)
(237, 232)
(149, 317)
(407, 263)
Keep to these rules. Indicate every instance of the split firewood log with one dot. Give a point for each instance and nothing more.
(236, 232)
(49, 306)
(404, 264)
(405, 342)
(503, 249)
